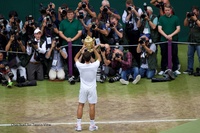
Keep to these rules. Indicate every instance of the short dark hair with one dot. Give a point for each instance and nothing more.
(12, 13)
(195, 8)
(87, 56)
(70, 11)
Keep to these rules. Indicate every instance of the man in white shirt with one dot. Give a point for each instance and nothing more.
(36, 49)
(88, 85)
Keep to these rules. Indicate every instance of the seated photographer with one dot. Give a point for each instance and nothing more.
(106, 12)
(5, 72)
(57, 61)
(129, 69)
(147, 57)
(36, 49)
(14, 46)
(97, 30)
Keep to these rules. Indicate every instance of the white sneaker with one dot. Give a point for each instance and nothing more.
(93, 128)
(137, 79)
(177, 72)
(161, 73)
(124, 82)
(78, 128)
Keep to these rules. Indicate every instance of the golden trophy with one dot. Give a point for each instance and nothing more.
(89, 43)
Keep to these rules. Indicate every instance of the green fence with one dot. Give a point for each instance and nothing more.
(25, 7)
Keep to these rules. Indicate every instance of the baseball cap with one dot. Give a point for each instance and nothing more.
(37, 31)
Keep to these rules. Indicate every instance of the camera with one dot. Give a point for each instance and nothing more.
(103, 49)
(93, 25)
(30, 20)
(81, 15)
(48, 21)
(42, 9)
(84, 5)
(145, 6)
(190, 14)
(142, 40)
(63, 11)
(160, 5)
(117, 55)
(105, 9)
(129, 8)
(112, 25)
(57, 41)
(72, 80)
(143, 16)
(32, 41)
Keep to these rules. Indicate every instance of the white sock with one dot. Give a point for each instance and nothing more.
(78, 121)
(92, 122)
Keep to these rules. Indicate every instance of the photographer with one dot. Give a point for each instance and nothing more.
(97, 30)
(14, 46)
(192, 21)
(85, 21)
(149, 25)
(28, 28)
(62, 12)
(36, 49)
(106, 12)
(5, 73)
(49, 30)
(3, 35)
(84, 5)
(115, 32)
(57, 60)
(53, 14)
(131, 19)
(160, 4)
(127, 64)
(148, 59)
(14, 22)
(105, 65)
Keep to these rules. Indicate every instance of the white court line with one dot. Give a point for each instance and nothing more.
(98, 122)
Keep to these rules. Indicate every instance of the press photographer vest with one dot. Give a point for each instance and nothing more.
(194, 34)
(155, 35)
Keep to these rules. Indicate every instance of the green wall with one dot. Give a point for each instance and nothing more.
(25, 7)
